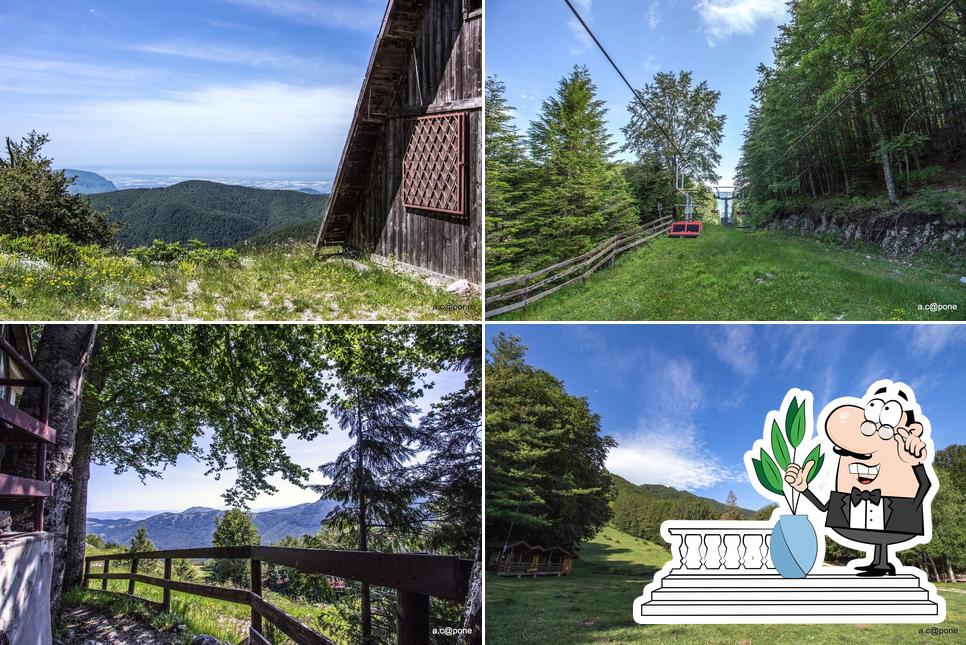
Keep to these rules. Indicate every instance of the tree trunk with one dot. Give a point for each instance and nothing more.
(62, 357)
(364, 597)
(949, 570)
(473, 612)
(81, 467)
(884, 156)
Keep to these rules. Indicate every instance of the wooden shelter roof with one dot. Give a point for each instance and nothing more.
(387, 66)
(529, 547)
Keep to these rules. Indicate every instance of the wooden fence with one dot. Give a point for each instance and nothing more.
(415, 577)
(519, 291)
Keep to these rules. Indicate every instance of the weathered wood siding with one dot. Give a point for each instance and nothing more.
(444, 74)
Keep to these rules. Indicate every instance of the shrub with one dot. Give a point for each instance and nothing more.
(53, 248)
(922, 177)
(195, 252)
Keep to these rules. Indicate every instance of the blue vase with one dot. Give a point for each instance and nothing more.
(794, 546)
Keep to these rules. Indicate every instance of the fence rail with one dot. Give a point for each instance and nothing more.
(415, 577)
(519, 291)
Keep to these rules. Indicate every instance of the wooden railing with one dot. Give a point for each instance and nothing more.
(415, 577)
(19, 426)
(521, 290)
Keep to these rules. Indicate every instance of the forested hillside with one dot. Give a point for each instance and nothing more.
(218, 214)
(904, 129)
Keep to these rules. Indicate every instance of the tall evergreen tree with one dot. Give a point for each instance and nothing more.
(378, 371)
(141, 543)
(545, 474)
(234, 528)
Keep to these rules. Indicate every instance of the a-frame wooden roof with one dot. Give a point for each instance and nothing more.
(387, 66)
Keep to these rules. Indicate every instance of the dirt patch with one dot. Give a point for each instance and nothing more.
(83, 625)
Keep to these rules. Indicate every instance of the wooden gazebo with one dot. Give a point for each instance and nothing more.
(409, 181)
(518, 559)
(17, 373)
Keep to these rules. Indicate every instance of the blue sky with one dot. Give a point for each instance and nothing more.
(686, 401)
(531, 45)
(186, 485)
(192, 87)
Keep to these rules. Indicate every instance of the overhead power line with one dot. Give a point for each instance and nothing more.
(617, 69)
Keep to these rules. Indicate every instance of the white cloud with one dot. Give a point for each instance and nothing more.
(735, 346)
(724, 18)
(929, 340)
(665, 447)
(653, 16)
(217, 126)
(584, 40)
(364, 15)
(251, 57)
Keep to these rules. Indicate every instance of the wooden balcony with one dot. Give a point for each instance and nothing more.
(721, 572)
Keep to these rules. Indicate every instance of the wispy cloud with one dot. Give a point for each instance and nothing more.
(584, 42)
(352, 14)
(246, 56)
(734, 345)
(653, 16)
(929, 340)
(665, 447)
(724, 18)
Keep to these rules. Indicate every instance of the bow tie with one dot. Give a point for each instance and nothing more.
(865, 496)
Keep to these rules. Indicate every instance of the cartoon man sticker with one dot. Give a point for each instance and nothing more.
(884, 473)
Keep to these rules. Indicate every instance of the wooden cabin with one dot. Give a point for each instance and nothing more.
(17, 426)
(519, 559)
(409, 184)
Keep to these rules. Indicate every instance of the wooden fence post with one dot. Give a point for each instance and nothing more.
(107, 570)
(130, 581)
(257, 590)
(87, 573)
(412, 618)
(166, 594)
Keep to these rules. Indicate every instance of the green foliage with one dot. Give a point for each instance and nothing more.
(779, 447)
(771, 474)
(195, 252)
(95, 541)
(686, 113)
(904, 118)
(640, 510)
(56, 249)
(141, 543)
(234, 528)
(545, 475)
(795, 429)
(182, 569)
(219, 215)
(568, 195)
(34, 199)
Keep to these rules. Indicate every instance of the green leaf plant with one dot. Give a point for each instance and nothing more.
(771, 470)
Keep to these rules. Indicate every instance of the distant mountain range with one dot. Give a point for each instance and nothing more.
(194, 527)
(646, 493)
(220, 215)
(88, 183)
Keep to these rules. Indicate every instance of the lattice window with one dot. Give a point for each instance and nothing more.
(433, 173)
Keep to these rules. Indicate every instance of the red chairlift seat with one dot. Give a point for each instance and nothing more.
(685, 229)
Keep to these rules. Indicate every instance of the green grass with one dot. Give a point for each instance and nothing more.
(278, 283)
(593, 605)
(226, 621)
(729, 275)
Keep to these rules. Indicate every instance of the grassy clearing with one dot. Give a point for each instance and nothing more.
(277, 283)
(730, 275)
(594, 606)
(224, 620)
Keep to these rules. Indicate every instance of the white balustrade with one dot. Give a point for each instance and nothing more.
(720, 547)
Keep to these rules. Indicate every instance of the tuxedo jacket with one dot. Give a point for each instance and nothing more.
(899, 514)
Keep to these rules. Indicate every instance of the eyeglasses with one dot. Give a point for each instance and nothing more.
(885, 431)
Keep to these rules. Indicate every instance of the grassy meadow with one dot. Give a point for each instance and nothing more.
(593, 605)
(282, 282)
(727, 274)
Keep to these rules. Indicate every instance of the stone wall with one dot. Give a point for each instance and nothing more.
(25, 569)
(898, 236)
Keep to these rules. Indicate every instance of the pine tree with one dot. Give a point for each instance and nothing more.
(183, 570)
(234, 528)
(581, 196)
(377, 370)
(731, 511)
(545, 475)
(141, 543)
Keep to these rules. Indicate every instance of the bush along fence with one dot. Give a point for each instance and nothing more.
(415, 577)
(519, 291)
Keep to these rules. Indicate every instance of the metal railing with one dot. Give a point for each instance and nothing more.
(415, 577)
(519, 291)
